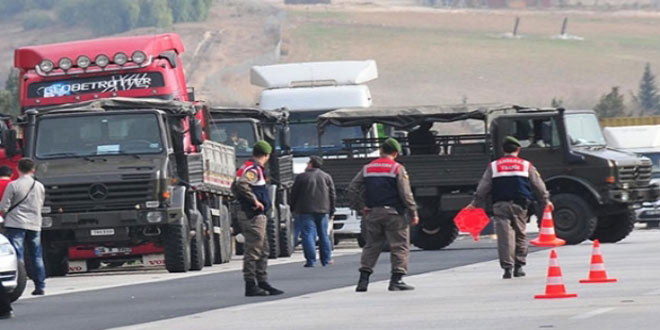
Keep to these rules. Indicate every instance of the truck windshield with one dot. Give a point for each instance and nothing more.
(238, 134)
(304, 134)
(583, 130)
(94, 135)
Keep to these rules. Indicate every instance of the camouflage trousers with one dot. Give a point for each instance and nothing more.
(510, 221)
(383, 225)
(255, 252)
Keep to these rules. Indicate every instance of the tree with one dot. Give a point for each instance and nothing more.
(155, 13)
(610, 104)
(109, 17)
(556, 103)
(9, 96)
(648, 97)
(182, 10)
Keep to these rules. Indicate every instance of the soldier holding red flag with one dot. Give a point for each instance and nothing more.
(513, 183)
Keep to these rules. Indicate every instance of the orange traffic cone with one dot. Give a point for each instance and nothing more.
(554, 287)
(547, 235)
(597, 273)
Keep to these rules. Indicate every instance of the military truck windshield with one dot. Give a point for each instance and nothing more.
(583, 130)
(238, 134)
(94, 135)
(304, 134)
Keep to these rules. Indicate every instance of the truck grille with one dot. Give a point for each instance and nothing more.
(640, 174)
(108, 196)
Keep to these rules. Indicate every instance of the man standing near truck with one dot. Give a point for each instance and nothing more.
(382, 191)
(21, 206)
(253, 196)
(513, 183)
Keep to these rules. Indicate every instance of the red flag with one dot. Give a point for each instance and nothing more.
(472, 221)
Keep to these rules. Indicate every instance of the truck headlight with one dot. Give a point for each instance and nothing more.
(154, 217)
(46, 222)
(101, 60)
(625, 196)
(625, 185)
(46, 66)
(65, 63)
(120, 58)
(139, 57)
(6, 249)
(83, 61)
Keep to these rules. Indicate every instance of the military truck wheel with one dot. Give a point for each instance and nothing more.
(614, 228)
(573, 217)
(273, 236)
(197, 255)
(429, 238)
(286, 238)
(177, 246)
(21, 280)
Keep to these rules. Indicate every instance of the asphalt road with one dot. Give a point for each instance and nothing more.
(131, 304)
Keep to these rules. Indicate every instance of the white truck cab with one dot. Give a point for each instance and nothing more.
(308, 90)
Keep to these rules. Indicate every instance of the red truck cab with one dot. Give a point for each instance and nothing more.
(146, 66)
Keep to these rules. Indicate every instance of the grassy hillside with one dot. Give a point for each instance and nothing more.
(438, 56)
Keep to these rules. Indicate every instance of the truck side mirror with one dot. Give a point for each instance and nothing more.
(196, 132)
(285, 138)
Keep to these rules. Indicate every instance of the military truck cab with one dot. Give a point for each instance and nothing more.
(242, 128)
(127, 173)
(594, 188)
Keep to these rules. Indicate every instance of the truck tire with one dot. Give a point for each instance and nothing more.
(22, 281)
(273, 237)
(286, 238)
(177, 246)
(197, 255)
(226, 238)
(573, 217)
(435, 238)
(209, 237)
(614, 228)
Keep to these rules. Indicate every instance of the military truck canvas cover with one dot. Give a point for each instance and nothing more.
(313, 74)
(409, 116)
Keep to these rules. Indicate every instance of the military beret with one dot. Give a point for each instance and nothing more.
(511, 140)
(263, 146)
(392, 144)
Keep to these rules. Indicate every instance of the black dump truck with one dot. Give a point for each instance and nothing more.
(241, 128)
(594, 188)
(125, 175)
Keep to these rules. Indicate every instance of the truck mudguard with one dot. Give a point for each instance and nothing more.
(581, 182)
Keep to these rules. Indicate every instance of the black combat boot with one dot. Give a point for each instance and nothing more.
(363, 283)
(518, 271)
(397, 284)
(507, 273)
(271, 290)
(252, 290)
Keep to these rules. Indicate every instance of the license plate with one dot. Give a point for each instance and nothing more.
(104, 251)
(102, 232)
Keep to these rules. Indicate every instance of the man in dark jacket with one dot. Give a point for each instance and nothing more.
(313, 202)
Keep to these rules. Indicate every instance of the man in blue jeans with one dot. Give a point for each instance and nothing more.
(313, 202)
(21, 206)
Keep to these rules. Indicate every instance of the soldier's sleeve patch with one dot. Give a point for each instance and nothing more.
(251, 176)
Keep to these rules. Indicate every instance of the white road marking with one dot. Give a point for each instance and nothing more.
(592, 313)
